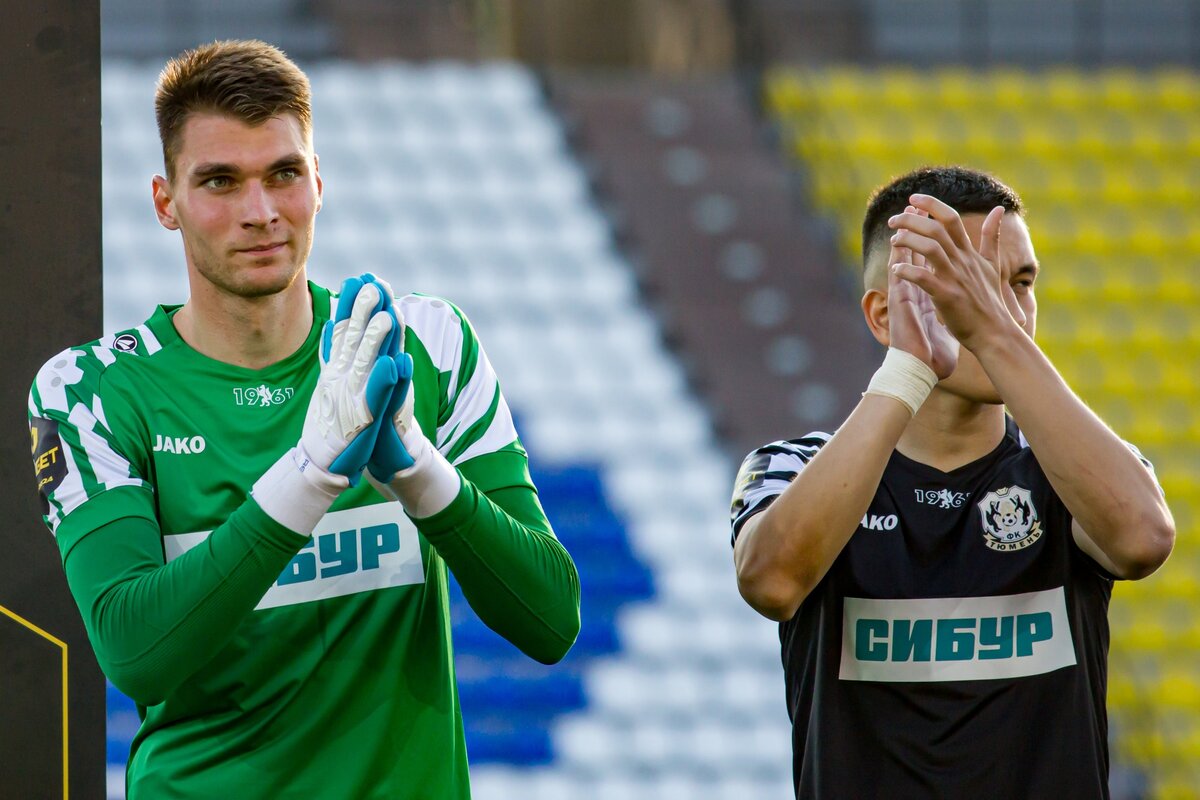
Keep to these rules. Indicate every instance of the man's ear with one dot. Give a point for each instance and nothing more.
(164, 204)
(320, 183)
(875, 310)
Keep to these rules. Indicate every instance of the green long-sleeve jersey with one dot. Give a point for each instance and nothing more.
(265, 663)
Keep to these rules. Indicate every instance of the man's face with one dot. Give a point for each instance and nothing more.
(244, 199)
(1018, 265)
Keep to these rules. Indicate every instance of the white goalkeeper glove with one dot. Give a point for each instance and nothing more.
(405, 465)
(344, 416)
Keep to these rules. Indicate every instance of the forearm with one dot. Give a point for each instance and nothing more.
(517, 577)
(783, 552)
(152, 625)
(1108, 491)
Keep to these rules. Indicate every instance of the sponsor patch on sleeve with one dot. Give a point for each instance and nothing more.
(49, 466)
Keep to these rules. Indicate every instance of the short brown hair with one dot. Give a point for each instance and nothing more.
(249, 79)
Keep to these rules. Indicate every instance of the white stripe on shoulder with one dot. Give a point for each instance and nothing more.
(104, 355)
(110, 468)
(472, 404)
(500, 433)
(98, 411)
(805, 447)
(149, 339)
(439, 330)
(69, 494)
(55, 376)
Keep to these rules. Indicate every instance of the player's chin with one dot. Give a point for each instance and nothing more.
(980, 392)
(983, 397)
(266, 279)
(991, 398)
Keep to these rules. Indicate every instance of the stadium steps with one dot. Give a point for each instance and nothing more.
(1107, 162)
(746, 281)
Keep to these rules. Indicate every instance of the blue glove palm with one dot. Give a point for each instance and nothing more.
(389, 455)
(403, 461)
(357, 377)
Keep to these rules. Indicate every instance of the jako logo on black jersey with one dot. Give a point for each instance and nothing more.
(880, 522)
(185, 445)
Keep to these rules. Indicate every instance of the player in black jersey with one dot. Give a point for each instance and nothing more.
(941, 570)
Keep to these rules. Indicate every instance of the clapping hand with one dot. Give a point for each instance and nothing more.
(913, 323)
(968, 286)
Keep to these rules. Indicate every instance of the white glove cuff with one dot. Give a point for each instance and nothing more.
(430, 484)
(296, 492)
(903, 377)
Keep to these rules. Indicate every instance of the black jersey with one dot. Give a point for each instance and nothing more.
(957, 648)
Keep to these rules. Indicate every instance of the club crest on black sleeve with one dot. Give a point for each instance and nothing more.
(1010, 522)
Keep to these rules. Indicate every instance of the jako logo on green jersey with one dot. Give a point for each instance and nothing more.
(262, 395)
(351, 551)
(187, 445)
(955, 638)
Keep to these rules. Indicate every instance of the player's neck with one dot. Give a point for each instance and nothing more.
(949, 432)
(247, 332)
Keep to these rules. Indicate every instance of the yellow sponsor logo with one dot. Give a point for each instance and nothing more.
(46, 460)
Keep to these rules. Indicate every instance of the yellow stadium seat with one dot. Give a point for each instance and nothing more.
(1178, 689)
(1176, 89)
(784, 94)
(1123, 89)
(957, 88)
(1067, 89)
(902, 88)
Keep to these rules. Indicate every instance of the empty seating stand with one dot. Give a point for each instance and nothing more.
(748, 284)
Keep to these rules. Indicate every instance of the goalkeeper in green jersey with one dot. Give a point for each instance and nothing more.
(257, 494)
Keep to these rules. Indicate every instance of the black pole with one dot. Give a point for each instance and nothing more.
(50, 274)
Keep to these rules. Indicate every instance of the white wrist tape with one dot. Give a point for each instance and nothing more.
(430, 484)
(295, 492)
(903, 377)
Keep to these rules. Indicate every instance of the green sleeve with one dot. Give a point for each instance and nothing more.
(516, 575)
(153, 624)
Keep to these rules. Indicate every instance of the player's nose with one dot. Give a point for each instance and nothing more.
(258, 206)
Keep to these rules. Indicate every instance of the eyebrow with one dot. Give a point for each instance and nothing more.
(1027, 269)
(207, 170)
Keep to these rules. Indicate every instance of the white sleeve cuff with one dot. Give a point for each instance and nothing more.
(429, 485)
(295, 492)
